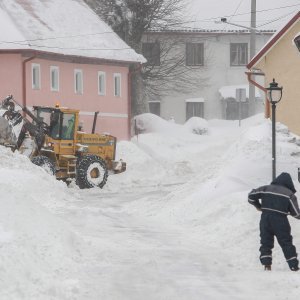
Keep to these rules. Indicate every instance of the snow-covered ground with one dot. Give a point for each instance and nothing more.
(175, 225)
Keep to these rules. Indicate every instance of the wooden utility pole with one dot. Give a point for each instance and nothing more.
(252, 54)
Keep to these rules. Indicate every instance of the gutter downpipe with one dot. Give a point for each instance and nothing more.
(24, 79)
(267, 103)
(130, 74)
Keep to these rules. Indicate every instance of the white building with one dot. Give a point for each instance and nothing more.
(218, 59)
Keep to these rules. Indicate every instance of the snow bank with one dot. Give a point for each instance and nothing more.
(165, 149)
(147, 123)
(39, 253)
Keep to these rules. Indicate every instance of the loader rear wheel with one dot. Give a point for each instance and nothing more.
(91, 172)
(45, 163)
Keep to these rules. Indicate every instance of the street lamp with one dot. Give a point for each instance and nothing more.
(297, 41)
(274, 96)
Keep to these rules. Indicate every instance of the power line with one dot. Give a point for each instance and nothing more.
(234, 14)
(274, 20)
(241, 14)
(58, 37)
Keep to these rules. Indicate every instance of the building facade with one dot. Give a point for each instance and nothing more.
(80, 84)
(47, 57)
(216, 61)
(280, 59)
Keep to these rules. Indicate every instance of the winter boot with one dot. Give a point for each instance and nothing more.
(295, 268)
(268, 268)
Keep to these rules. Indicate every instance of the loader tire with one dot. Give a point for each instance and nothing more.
(45, 163)
(91, 172)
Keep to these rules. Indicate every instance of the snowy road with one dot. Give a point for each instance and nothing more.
(131, 256)
(133, 253)
(130, 253)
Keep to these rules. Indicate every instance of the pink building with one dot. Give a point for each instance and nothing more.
(60, 52)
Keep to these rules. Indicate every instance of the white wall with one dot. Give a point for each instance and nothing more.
(217, 69)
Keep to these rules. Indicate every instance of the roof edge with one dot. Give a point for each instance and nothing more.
(66, 57)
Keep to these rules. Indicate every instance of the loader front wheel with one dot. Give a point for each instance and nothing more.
(45, 163)
(91, 172)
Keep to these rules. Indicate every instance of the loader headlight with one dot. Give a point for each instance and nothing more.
(48, 145)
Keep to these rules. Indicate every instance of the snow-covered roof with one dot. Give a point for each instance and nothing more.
(229, 91)
(194, 100)
(67, 27)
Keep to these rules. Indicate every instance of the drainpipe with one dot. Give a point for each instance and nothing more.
(130, 74)
(24, 79)
(267, 103)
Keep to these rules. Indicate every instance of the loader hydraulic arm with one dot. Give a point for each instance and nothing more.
(36, 128)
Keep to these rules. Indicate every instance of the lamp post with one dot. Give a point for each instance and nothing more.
(274, 96)
(297, 41)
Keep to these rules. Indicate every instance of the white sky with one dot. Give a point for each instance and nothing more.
(203, 12)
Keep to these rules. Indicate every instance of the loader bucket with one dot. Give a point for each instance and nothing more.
(6, 134)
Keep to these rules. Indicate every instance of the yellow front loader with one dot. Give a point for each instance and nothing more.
(65, 151)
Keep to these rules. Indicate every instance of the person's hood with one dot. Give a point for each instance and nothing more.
(285, 179)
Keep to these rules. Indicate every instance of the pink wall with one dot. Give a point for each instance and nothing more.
(89, 101)
(115, 109)
(10, 75)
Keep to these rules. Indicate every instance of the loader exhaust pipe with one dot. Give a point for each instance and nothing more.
(95, 121)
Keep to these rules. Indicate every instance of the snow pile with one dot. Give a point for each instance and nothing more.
(197, 125)
(147, 123)
(168, 152)
(38, 250)
(175, 225)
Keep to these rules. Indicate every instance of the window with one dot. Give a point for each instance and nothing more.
(36, 76)
(235, 110)
(78, 81)
(194, 109)
(238, 54)
(117, 85)
(68, 127)
(101, 83)
(151, 51)
(194, 54)
(154, 107)
(54, 78)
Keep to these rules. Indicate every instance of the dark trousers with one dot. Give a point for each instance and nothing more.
(276, 224)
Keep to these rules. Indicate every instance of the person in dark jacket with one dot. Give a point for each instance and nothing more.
(276, 201)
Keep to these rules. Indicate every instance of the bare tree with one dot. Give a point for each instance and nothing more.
(172, 74)
(132, 20)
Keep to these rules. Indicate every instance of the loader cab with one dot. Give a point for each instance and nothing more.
(61, 123)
